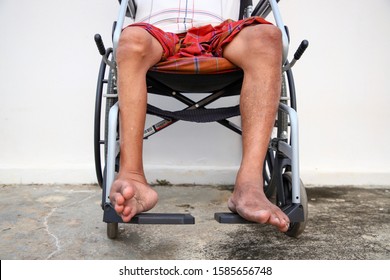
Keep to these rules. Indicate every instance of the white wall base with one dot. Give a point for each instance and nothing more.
(214, 175)
(83, 174)
(226, 176)
(335, 178)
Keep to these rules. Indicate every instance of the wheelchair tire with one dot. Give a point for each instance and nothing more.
(97, 122)
(269, 189)
(104, 83)
(282, 131)
(296, 229)
(112, 230)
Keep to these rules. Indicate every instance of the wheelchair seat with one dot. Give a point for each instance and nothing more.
(199, 74)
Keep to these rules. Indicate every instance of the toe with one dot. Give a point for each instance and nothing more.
(260, 216)
(126, 218)
(118, 199)
(274, 220)
(118, 208)
(284, 227)
(127, 192)
(231, 205)
(126, 211)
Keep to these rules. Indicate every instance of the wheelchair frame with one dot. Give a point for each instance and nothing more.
(281, 168)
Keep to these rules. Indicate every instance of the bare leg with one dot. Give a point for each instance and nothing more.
(257, 50)
(137, 52)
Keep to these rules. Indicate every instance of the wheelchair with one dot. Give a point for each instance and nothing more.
(282, 183)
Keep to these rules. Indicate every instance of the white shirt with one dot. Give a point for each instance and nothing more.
(178, 16)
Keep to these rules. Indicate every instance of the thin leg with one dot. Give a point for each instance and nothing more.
(258, 51)
(137, 52)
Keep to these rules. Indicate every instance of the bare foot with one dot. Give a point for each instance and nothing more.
(131, 196)
(249, 201)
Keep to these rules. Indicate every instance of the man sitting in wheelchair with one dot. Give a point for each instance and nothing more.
(169, 28)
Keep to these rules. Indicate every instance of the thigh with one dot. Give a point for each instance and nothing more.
(167, 40)
(252, 42)
(228, 30)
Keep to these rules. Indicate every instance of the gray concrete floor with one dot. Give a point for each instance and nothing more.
(65, 222)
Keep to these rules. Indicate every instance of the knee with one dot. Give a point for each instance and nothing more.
(266, 38)
(134, 43)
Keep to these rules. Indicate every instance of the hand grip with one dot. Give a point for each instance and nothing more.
(301, 49)
(99, 44)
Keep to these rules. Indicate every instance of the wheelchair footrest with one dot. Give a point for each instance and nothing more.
(163, 219)
(230, 218)
(293, 211)
(110, 216)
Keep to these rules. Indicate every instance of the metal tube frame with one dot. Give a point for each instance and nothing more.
(292, 151)
(280, 24)
(112, 149)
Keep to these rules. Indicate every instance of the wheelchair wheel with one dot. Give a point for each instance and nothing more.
(112, 230)
(296, 229)
(269, 189)
(101, 110)
(101, 82)
(281, 131)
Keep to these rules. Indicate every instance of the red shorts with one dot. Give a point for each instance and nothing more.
(197, 44)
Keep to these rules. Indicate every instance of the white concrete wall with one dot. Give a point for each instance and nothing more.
(48, 71)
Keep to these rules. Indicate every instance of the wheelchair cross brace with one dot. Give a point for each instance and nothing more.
(196, 108)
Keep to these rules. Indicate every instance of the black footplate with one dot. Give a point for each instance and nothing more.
(163, 219)
(293, 211)
(230, 218)
(110, 216)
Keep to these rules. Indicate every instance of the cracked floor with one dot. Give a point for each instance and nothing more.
(65, 222)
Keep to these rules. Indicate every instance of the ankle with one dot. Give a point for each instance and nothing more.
(249, 176)
(138, 176)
